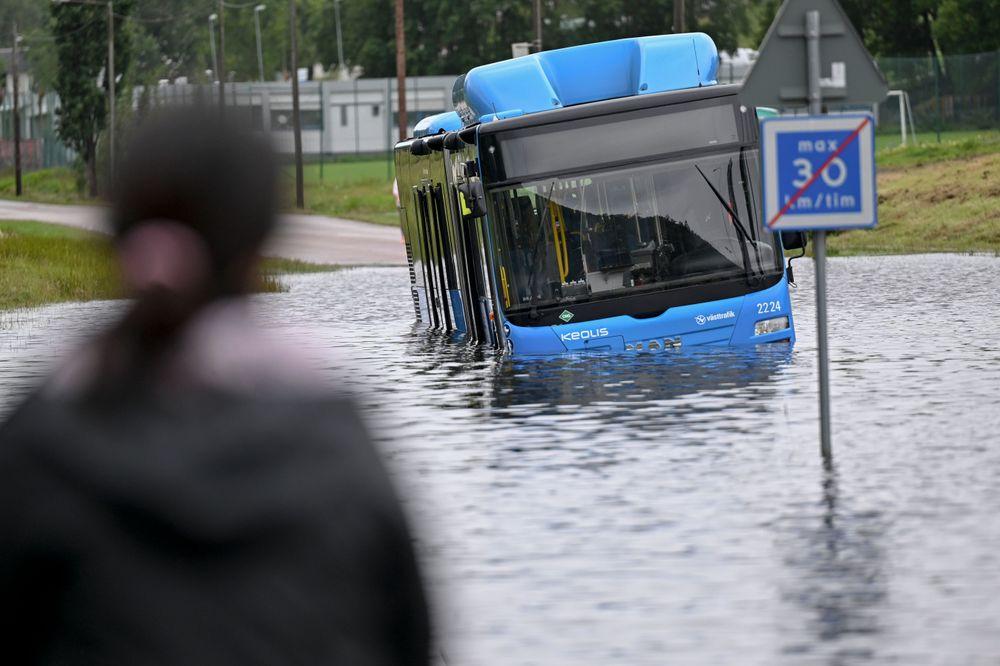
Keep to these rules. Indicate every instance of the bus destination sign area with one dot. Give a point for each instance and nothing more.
(819, 172)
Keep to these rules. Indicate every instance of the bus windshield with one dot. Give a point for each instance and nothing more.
(609, 233)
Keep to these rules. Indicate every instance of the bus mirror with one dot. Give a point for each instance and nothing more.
(453, 142)
(472, 199)
(468, 135)
(435, 143)
(419, 147)
(794, 240)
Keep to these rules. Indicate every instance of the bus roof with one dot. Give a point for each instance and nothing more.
(439, 122)
(587, 73)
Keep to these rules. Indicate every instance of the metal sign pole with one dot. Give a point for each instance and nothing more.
(112, 97)
(845, 196)
(16, 117)
(819, 240)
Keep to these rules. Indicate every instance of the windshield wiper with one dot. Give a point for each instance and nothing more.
(748, 196)
(741, 233)
(750, 228)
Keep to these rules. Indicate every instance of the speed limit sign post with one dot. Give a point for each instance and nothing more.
(819, 171)
(819, 175)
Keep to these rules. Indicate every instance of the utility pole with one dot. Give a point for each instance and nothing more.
(340, 38)
(16, 118)
(260, 50)
(400, 72)
(212, 18)
(111, 94)
(679, 16)
(220, 72)
(296, 125)
(536, 12)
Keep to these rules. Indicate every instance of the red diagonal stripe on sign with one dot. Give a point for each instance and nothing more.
(795, 197)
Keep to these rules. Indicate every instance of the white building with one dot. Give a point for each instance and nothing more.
(338, 117)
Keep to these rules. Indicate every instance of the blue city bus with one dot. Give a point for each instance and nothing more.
(598, 197)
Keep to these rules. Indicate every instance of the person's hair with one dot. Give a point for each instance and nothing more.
(193, 203)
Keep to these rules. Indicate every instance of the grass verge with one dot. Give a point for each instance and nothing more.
(41, 263)
(47, 263)
(953, 146)
(56, 186)
(938, 206)
(355, 190)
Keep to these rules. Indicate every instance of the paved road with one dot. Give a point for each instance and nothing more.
(315, 238)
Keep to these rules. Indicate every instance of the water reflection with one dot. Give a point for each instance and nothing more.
(617, 381)
(837, 560)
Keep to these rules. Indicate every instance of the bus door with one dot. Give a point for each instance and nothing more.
(440, 263)
(473, 265)
(450, 295)
(424, 235)
(470, 205)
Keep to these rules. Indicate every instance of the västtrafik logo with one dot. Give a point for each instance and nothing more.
(701, 320)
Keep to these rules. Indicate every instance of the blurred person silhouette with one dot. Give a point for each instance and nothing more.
(185, 491)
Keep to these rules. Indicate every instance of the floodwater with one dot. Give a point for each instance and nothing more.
(672, 507)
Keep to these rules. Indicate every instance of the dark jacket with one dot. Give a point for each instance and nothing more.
(209, 529)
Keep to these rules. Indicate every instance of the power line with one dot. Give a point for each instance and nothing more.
(50, 38)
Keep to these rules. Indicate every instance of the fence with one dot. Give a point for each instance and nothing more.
(338, 118)
(953, 93)
(359, 117)
(948, 94)
(40, 146)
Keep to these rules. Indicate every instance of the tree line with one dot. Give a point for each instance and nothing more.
(66, 42)
(170, 38)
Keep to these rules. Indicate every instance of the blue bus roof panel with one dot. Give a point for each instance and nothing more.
(441, 122)
(587, 73)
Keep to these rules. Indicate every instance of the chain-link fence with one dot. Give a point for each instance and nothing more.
(948, 94)
(958, 93)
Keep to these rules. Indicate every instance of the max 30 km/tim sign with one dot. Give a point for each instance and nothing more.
(819, 172)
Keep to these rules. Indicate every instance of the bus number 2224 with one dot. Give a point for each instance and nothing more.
(768, 307)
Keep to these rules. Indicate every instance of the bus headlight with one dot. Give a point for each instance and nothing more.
(774, 325)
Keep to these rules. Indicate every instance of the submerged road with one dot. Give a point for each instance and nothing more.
(315, 238)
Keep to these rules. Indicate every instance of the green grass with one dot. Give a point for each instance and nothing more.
(355, 190)
(953, 146)
(56, 186)
(283, 266)
(47, 263)
(39, 264)
(934, 206)
(346, 171)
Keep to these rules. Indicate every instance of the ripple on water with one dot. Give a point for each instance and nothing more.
(670, 508)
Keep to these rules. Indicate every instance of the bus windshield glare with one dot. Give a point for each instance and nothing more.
(616, 232)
